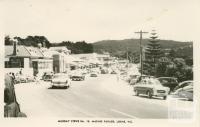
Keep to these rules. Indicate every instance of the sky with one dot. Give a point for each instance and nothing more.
(94, 20)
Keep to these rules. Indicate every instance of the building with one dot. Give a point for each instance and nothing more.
(29, 60)
(95, 60)
(61, 58)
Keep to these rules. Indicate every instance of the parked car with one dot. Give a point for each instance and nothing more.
(151, 87)
(78, 77)
(30, 79)
(104, 71)
(60, 80)
(113, 72)
(170, 82)
(21, 79)
(184, 90)
(93, 75)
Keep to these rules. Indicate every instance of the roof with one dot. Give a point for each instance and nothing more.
(49, 53)
(23, 51)
(90, 55)
(34, 51)
(59, 49)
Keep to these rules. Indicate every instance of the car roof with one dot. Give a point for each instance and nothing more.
(188, 81)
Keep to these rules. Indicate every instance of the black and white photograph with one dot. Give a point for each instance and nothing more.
(100, 59)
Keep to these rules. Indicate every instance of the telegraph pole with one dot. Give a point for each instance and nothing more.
(141, 49)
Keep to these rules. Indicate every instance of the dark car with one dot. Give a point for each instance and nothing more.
(104, 71)
(113, 72)
(78, 77)
(170, 82)
(93, 75)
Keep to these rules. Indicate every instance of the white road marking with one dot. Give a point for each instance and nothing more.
(125, 114)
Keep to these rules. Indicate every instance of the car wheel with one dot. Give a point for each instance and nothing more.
(136, 93)
(149, 94)
(165, 97)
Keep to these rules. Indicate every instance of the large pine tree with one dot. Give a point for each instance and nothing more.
(152, 54)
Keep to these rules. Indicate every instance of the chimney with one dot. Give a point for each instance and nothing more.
(14, 48)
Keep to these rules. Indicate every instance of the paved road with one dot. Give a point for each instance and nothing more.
(101, 97)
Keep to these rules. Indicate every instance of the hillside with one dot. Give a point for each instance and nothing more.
(119, 47)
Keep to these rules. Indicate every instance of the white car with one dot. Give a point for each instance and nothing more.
(151, 87)
(60, 80)
(184, 91)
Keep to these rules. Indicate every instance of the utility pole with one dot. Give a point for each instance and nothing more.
(141, 49)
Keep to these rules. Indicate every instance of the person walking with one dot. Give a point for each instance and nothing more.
(37, 79)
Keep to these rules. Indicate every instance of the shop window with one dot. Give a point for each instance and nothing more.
(15, 63)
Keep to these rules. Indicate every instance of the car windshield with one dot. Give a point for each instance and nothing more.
(151, 82)
(186, 84)
(167, 80)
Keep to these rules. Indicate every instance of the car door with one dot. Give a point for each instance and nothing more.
(186, 92)
(143, 87)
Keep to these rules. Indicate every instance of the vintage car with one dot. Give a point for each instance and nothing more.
(113, 72)
(104, 71)
(168, 82)
(60, 80)
(21, 79)
(184, 90)
(77, 77)
(151, 87)
(93, 75)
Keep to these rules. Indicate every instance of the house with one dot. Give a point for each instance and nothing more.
(29, 60)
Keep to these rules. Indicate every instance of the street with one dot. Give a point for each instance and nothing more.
(96, 97)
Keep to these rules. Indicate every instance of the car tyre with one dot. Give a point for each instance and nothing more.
(136, 93)
(149, 94)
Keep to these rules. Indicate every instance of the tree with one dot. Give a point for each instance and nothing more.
(162, 66)
(33, 41)
(152, 54)
(178, 68)
(76, 48)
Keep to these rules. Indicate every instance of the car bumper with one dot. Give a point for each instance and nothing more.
(59, 84)
(160, 94)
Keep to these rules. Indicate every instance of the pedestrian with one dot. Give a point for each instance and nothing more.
(13, 77)
(20, 72)
(37, 79)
